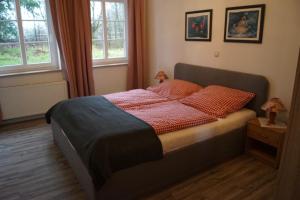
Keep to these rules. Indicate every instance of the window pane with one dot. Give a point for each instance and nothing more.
(10, 54)
(9, 32)
(7, 10)
(98, 49)
(37, 53)
(97, 30)
(116, 49)
(33, 10)
(115, 11)
(115, 15)
(35, 31)
(96, 10)
(115, 30)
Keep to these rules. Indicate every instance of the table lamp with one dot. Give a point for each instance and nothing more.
(161, 76)
(272, 107)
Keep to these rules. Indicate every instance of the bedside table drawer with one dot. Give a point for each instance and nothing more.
(264, 135)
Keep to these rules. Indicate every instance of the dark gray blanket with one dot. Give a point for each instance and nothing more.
(106, 138)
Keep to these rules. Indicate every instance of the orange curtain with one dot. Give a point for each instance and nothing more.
(136, 44)
(72, 26)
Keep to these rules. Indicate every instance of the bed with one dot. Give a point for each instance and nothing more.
(195, 153)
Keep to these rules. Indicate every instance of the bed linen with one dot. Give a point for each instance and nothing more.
(175, 89)
(133, 98)
(218, 101)
(182, 138)
(170, 116)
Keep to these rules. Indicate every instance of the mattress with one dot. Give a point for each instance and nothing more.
(178, 139)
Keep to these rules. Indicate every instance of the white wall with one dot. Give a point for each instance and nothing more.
(110, 79)
(275, 59)
(33, 94)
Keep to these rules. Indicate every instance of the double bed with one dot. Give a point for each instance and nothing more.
(185, 152)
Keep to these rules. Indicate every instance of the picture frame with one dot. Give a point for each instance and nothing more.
(198, 25)
(245, 24)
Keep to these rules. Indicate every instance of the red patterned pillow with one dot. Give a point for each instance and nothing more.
(175, 89)
(218, 101)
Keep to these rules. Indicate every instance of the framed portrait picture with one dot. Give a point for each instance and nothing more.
(198, 25)
(245, 24)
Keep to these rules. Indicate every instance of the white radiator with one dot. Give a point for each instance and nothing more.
(29, 100)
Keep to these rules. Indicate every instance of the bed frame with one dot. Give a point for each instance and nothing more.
(142, 179)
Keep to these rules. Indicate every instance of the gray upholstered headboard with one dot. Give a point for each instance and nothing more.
(210, 76)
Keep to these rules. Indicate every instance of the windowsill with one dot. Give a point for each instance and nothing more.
(20, 73)
(121, 64)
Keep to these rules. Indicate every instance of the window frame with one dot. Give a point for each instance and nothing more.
(106, 60)
(53, 48)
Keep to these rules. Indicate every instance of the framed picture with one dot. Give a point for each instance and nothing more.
(245, 24)
(198, 25)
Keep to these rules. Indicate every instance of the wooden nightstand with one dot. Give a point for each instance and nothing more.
(265, 143)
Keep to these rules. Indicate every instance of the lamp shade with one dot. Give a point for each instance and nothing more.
(274, 105)
(161, 76)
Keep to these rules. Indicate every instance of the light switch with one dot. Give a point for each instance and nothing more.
(217, 54)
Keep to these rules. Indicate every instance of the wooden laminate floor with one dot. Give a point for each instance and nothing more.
(32, 167)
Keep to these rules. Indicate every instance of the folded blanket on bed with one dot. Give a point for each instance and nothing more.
(106, 138)
(170, 116)
(133, 98)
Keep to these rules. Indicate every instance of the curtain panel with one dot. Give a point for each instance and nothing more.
(72, 26)
(136, 75)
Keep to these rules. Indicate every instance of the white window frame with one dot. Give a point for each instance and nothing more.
(24, 67)
(106, 60)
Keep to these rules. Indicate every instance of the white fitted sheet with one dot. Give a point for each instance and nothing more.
(185, 137)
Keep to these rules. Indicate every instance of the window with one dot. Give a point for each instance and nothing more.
(109, 31)
(26, 42)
